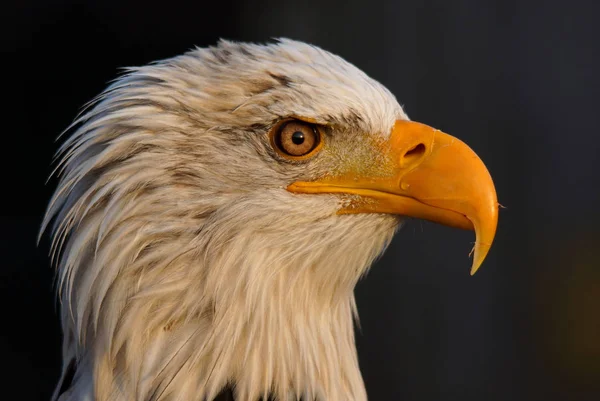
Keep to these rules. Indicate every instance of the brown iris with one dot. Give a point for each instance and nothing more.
(295, 139)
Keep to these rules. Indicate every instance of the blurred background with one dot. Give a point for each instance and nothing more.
(516, 80)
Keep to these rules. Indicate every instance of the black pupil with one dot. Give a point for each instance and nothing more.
(298, 137)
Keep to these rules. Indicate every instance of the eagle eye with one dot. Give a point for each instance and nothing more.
(295, 140)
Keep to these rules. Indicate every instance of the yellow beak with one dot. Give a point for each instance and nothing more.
(432, 176)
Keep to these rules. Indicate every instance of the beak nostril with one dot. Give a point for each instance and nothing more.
(412, 155)
(416, 151)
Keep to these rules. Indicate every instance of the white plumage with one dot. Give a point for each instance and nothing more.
(186, 265)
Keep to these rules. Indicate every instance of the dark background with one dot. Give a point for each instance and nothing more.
(515, 80)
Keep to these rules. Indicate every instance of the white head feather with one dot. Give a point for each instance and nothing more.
(185, 264)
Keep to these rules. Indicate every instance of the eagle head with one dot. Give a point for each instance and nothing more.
(215, 211)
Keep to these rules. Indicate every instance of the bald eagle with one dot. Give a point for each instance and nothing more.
(215, 211)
